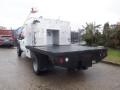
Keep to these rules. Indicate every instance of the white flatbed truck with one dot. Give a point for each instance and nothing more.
(47, 42)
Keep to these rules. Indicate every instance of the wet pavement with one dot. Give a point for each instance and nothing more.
(16, 74)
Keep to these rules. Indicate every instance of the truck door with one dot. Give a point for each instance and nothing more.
(21, 39)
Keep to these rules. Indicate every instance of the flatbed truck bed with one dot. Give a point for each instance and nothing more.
(58, 50)
(69, 56)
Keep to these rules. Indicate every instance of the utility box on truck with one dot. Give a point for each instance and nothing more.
(47, 42)
(47, 32)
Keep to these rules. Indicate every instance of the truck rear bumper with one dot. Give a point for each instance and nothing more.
(80, 60)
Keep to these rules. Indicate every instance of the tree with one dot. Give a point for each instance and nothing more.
(111, 35)
(106, 34)
(91, 31)
(115, 37)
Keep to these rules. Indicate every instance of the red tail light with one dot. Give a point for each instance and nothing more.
(61, 60)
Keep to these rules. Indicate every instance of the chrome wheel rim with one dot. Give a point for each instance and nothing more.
(35, 65)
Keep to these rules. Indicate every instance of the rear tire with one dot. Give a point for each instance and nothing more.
(37, 65)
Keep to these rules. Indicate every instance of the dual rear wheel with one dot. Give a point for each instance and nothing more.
(38, 66)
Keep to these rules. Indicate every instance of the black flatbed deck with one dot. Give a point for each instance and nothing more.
(78, 56)
(64, 49)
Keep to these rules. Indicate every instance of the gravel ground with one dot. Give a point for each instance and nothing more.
(16, 74)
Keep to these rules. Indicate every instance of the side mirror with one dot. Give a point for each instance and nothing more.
(21, 37)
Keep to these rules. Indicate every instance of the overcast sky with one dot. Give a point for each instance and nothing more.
(78, 12)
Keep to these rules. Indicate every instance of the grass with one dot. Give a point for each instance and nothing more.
(113, 56)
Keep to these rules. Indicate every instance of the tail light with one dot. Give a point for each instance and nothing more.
(61, 60)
